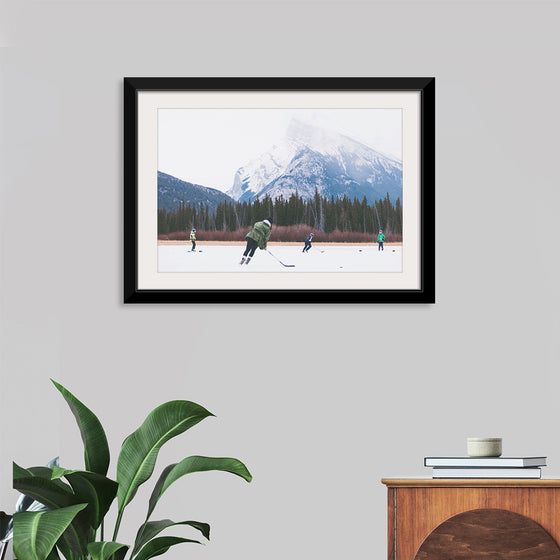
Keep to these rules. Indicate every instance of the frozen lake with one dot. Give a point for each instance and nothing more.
(320, 258)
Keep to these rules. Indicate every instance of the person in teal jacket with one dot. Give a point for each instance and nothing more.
(380, 239)
(257, 237)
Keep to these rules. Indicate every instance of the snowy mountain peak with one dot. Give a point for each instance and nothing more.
(323, 140)
(249, 179)
(313, 158)
(313, 137)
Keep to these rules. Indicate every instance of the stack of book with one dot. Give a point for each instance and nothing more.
(485, 467)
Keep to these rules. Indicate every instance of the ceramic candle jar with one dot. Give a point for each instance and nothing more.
(484, 447)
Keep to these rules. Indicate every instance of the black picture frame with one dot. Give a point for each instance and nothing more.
(423, 293)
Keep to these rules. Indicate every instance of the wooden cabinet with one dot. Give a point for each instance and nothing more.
(507, 518)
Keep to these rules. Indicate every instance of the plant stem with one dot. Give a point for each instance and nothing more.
(117, 525)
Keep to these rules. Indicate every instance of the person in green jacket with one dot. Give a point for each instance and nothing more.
(257, 237)
(380, 239)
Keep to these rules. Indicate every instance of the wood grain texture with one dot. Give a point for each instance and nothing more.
(419, 510)
(488, 534)
(391, 524)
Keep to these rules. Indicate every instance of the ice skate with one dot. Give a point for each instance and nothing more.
(248, 260)
(242, 260)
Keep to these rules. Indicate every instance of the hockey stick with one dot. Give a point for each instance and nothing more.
(288, 265)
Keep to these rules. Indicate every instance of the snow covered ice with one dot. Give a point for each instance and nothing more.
(328, 258)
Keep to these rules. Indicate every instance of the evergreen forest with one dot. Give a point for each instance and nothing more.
(319, 214)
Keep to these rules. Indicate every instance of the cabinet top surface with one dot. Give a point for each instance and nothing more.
(470, 482)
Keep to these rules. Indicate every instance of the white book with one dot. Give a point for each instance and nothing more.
(468, 462)
(510, 472)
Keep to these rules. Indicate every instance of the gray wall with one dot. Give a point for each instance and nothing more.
(321, 402)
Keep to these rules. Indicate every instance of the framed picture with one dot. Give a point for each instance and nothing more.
(279, 190)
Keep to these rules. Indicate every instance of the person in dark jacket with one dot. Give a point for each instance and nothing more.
(308, 241)
(257, 237)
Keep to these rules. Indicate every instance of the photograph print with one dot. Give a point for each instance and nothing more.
(252, 192)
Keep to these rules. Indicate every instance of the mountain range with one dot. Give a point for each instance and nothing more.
(312, 158)
(172, 191)
(309, 159)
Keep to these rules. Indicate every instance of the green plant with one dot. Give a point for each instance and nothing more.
(24, 503)
(77, 501)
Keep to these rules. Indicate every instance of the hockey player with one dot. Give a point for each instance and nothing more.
(193, 240)
(380, 239)
(257, 237)
(308, 241)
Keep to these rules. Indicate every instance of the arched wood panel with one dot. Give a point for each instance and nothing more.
(488, 534)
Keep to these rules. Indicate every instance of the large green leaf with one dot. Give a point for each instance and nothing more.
(106, 550)
(140, 449)
(47, 474)
(25, 503)
(149, 530)
(55, 494)
(96, 448)
(36, 533)
(171, 473)
(160, 546)
(95, 489)
(51, 493)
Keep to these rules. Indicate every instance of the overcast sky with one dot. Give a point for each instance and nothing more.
(207, 146)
